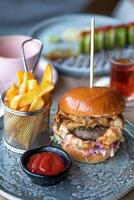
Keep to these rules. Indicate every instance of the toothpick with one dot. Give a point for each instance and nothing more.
(92, 53)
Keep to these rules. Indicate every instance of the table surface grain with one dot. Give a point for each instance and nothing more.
(66, 83)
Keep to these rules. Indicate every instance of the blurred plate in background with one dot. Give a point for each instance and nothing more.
(58, 26)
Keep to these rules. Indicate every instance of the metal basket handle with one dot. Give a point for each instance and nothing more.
(24, 56)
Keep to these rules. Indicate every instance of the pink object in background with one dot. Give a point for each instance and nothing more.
(11, 57)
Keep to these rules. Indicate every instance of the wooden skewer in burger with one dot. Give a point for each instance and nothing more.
(89, 122)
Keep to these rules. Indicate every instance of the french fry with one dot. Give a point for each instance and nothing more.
(27, 135)
(30, 75)
(26, 131)
(15, 132)
(11, 122)
(32, 84)
(37, 104)
(14, 119)
(24, 109)
(47, 75)
(46, 98)
(12, 136)
(9, 128)
(7, 103)
(23, 86)
(15, 102)
(28, 97)
(12, 92)
(39, 119)
(20, 75)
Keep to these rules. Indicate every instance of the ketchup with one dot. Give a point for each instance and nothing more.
(46, 163)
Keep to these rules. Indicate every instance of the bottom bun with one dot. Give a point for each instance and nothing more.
(77, 154)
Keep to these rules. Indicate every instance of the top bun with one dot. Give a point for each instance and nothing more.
(96, 101)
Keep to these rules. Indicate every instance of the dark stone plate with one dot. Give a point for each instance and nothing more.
(106, 181)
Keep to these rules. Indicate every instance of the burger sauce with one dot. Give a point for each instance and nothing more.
(46, 163)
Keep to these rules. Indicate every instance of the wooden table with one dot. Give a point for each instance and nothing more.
(66, 83)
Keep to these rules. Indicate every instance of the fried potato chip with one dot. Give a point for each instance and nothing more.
(20, 75)
(37, 104)
(47, 98)
(12, 92)
(7, 103)
(24, 109)
(47, 75)
(30, 75)
(15, 102)
(32, 84)
(23, 86)
(26, 131)
(29, 97)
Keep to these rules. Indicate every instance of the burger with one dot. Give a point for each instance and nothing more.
(89, 123)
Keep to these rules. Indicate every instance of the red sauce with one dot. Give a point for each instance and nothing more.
(46, 163)
(122, 76)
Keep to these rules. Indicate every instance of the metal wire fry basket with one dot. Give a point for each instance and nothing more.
(25, 130)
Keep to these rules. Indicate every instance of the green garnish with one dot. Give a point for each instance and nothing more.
(54, 39)
(54, 139)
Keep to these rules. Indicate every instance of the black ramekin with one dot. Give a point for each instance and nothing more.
(46, 180)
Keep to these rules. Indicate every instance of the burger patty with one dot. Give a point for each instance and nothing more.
(89, 133)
